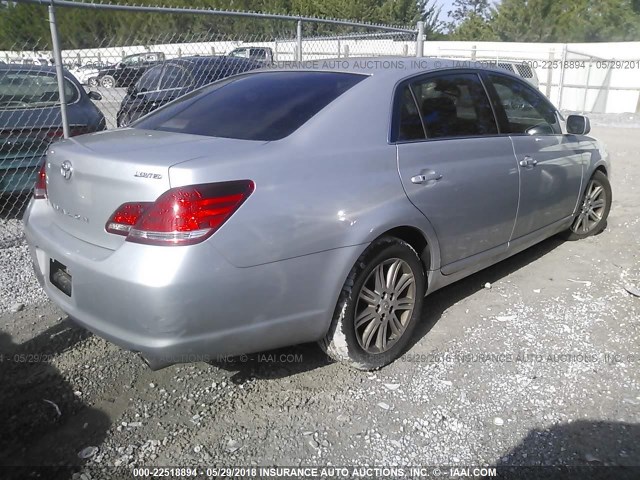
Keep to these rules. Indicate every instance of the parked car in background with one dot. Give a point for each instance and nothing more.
(521, 69)
(259, 54)
(280, 207)
(126, 72)
(169, 80)
(87, 72)
(30, 120)
(29, 61)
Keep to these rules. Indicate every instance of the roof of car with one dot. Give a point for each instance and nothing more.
(388, 66)
(205, 61)
(37, 68)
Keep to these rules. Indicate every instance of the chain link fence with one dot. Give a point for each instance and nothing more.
(117, 80)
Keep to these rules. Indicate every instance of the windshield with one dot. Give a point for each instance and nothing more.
(267, 106)
(32, 90)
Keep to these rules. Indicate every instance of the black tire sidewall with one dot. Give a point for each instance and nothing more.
(378, 253)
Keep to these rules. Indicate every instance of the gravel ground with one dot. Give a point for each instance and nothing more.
(539, 369)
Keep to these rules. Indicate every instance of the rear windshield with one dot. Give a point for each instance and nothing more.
(32, 90)
(266, 106)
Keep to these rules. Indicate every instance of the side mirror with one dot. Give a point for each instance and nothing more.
(120, 65)
(95, 96)
(578, 125)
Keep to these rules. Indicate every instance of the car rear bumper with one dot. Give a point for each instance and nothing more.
(186, 304)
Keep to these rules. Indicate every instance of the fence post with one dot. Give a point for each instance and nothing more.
(561, 86)
(57, 56)
(586, 89)
(299, 39)
(550, 74)
(420, 40)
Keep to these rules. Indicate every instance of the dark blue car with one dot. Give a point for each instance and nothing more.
(174, 78)
(30, 120)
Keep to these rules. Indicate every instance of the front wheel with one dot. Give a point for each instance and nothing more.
(594, 208)
(379, 306)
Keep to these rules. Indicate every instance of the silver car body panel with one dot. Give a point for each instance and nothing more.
(272, 274)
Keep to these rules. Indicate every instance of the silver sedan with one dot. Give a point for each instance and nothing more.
(311, 204)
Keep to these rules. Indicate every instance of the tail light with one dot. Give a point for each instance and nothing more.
(126, 217)
(40, 188)
(180, 216)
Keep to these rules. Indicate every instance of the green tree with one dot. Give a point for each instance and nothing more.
(470, 20)
(576, 21)
(474, 27)
(26, 26)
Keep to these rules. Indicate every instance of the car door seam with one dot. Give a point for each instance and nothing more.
(515, 220)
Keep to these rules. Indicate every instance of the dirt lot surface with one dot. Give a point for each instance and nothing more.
(540, 369)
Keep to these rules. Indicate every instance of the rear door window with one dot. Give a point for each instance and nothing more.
(454, 105)
(264, 106)
(409, 125)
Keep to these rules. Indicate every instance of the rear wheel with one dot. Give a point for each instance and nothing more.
(93, 82)
(593, 211)
(379, 306)
(108, 82)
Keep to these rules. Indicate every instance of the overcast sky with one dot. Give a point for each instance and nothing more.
(446, 6)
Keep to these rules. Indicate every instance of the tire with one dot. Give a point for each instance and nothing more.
(129, 117)
(383, 333)
(93, 82)
(108, 81)
(124, 120)
(595, 205)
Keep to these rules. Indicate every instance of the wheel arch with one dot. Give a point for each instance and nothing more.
(418, 241)
(601, 168)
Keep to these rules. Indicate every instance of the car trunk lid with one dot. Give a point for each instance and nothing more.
(89, 177)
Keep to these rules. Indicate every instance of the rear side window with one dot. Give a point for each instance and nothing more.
(409, 125)
(527, 111)
(267, 106)
(32, 89)
(453, 105)
(175, 76)
(149, 81)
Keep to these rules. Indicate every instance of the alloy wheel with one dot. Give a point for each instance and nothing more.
(385, 305)
(592, 209)
(107, 82)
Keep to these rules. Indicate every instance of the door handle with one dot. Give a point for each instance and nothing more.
(528, 162)
(418, 179)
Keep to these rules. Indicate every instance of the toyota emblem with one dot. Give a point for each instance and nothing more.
(66, 169)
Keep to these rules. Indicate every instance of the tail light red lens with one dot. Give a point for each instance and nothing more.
(40, 189)
(126, 217)
(181, 216)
